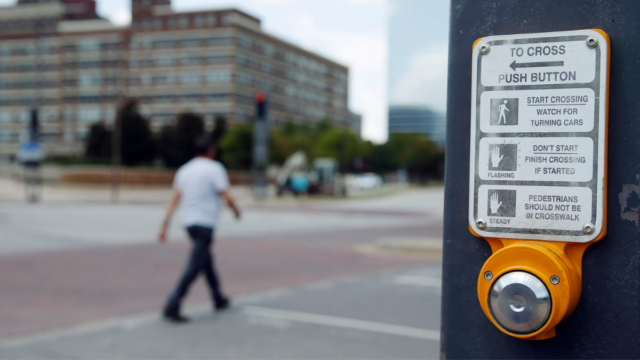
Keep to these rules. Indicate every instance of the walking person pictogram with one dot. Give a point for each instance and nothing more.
(503, 116)
(504, 111)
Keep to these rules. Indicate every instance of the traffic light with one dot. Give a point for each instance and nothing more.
(261, 106)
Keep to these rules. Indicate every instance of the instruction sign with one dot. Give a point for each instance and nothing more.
(538, 136)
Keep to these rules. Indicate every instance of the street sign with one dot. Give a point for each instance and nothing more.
(30, 153)
(538, 136)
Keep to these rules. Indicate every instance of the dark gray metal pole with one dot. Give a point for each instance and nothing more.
(260, 147)
(606, 323)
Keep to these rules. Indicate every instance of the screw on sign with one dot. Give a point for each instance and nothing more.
(537, 171)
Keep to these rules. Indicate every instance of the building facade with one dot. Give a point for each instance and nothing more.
(61, 58)
(415, 119)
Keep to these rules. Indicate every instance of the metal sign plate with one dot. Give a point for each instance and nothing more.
(538, 136)
(30, 152)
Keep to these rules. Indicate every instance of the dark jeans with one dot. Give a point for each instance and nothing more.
(200, 260)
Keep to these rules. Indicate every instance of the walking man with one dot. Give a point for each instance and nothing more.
(198, 187)
(503, 115)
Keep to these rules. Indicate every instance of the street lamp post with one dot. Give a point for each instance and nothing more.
(30, 150)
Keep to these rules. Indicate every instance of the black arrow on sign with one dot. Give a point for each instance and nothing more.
(514, 65)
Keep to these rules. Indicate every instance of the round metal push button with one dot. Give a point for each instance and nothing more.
(520, 302)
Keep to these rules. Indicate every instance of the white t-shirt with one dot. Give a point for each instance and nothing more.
(200, 182)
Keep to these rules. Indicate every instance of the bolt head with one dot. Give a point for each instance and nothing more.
(592, 42)
(555, 280)
(484, 49)
(488, 275)
(481, 224)
(588, 229)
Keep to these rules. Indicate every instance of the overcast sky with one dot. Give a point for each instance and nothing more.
(354, 33)
(418, 47)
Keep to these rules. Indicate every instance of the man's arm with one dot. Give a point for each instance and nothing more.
(230, 203)
(175, 200)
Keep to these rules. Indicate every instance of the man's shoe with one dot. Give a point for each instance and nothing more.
(222, 304)
(174, 316)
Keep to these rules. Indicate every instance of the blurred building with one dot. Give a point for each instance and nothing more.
(355, 123)
(408, 119)
(59, 56)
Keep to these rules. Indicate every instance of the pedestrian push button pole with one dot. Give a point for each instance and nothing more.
(537, 175)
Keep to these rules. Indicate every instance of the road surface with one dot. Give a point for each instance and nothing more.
(86, 280)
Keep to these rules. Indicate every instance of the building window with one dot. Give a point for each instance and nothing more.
(199, 20)
(212, 20)
(190, 78)
(189, 98)
(164, 99)
(245, 41)
(160, 80)
(163, 116)
(269, 50)
(191, 60)
(89, 80)
(191, 42)
(82, 134)
(24, 50)
(267, 67)
(164, 44)
(146, 80)
(89, 115)
(5, 50)
(226, 18)
(167, 79)
(164, 60)
(214, 77)
(217, 97)
(219, 58)
(88, 45)
(68, 135)
(147, 24)
(219, 40)
(184, 22)
(241, 59)
(244, 78)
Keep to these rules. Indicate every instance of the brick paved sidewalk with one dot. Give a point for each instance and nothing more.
(58, 288)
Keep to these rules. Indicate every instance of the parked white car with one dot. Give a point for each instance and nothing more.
(368, 181)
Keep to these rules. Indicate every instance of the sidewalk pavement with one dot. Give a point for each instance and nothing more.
(383, 315)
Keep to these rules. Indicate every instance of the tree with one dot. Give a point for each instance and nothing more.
(219, 129)
(237, 146)
(341, 144)
(98, 143)
(280, 146)
(176, 141)
(136, 141)
(417, 153)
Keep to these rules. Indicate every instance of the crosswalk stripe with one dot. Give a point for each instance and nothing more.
(341, 322)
